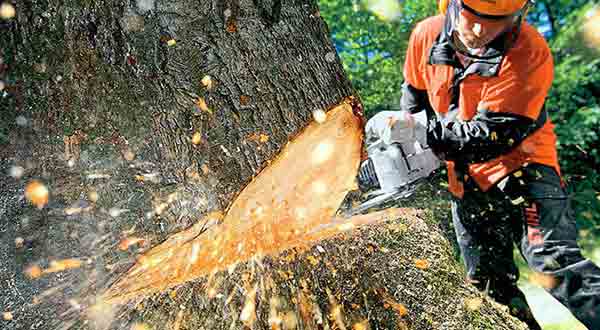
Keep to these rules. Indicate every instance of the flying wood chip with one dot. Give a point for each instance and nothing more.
(292, 202)
(61, 265)
(140, 326)
(125, 243)
(207, 82)
(201, 104)
(37, 193)
(197, 138)
(33, 271)
(421, 264)
(7, 11)
(546, 281)
(363, 325)
(389, 302)
(7, 316)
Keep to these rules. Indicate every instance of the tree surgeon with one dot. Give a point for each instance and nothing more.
(482, 75)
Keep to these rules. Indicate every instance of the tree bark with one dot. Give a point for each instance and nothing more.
(142, 116)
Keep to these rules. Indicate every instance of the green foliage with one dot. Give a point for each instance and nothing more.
(574, 103)
(550, 15)
(372, 47)
(571, 40)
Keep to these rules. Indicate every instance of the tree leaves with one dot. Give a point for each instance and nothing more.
(371, 48)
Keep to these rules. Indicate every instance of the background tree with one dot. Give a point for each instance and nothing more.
(371, 39)
(549, 15)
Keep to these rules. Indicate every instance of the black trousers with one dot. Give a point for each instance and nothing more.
(531, 209)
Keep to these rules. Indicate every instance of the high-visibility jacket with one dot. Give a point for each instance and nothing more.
(489, 108)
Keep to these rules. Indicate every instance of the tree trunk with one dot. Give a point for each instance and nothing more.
(134, 72)
(142, 116)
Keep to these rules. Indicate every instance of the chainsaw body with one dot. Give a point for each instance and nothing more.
(398, 157)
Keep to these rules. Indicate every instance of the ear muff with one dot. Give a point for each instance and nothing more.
(443, 6)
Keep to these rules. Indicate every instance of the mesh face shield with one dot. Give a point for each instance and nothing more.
(463, 23)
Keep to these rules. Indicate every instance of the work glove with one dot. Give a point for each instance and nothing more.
(390, 127)
(438, 132)
(439, 135)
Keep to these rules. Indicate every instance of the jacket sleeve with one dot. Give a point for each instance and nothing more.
(487, 136)
(414, 100)
(414, 63)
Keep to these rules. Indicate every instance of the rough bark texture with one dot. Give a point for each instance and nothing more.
(116, 88)
(133, 70)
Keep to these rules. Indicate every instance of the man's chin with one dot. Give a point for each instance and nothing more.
(473, 45)
(470, 44)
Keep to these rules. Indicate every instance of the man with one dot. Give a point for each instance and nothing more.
(482, 75)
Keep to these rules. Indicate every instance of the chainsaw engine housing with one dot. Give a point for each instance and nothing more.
(398, 155)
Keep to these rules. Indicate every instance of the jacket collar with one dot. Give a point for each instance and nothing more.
(441, 53)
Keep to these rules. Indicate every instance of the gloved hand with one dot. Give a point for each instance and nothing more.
(438, 131)
(391, 127)
(434, 138)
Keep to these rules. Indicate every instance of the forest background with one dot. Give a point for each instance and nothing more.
(371, 37)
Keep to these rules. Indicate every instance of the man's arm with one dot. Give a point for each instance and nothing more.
(414, 100)
(487, 136)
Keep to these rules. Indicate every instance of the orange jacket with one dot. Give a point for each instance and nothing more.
(516, 83)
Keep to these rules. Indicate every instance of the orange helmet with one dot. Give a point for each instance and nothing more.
(503, 16)
(488, 8)
(496, 8)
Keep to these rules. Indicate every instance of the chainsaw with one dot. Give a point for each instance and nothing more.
(398, 161)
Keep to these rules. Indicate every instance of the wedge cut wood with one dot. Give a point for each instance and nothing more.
(288, 204)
